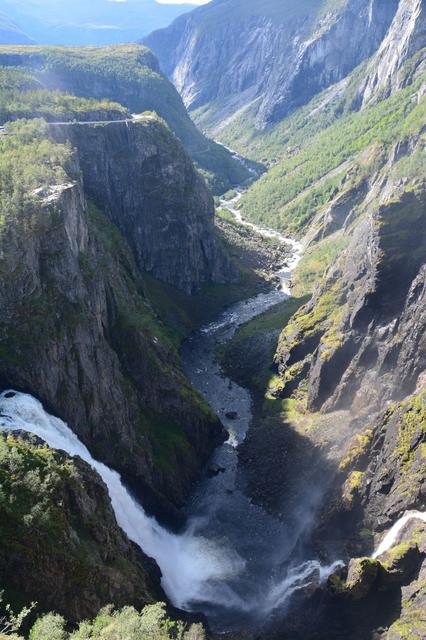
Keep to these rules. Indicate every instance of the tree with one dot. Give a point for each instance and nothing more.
(11, 622)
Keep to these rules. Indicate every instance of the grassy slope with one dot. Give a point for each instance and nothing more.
(314, 170)
(128, 74)
(248, 356)
(23, 96)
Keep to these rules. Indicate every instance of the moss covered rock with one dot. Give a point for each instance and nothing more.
(401, 562)
(362, 575)
(60, 543)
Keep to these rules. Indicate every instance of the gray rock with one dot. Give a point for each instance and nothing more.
(140, 176)
(78, 331)
(275, 61)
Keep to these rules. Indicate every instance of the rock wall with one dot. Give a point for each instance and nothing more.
(140, 176)
(406, 38)
(360, 340)
(78, 332)
(276, 59)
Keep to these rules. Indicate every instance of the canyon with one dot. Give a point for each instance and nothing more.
(218, 401)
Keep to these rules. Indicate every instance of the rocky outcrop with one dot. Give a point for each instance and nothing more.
(405, 39)
(382, 483)
(78, 332)
(386, 471)
(139, 175)
(129, 75)
(382, 477)
(273, 58)
(60, 544)
(361, 337)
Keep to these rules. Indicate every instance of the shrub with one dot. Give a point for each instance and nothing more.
(152, 623)
(49, 627)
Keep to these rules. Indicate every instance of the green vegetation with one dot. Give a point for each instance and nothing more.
(397, 553)
(316, 166)
(152, 623)
(336, 583)
(254, 344)
(362, 575)
(357, 448)
(411, 423)
(412, 166)
(411, 626)
(39, 528)
(406, 421)
(28, 161)
(29, 477)
(183, 313)
(47, 520)
(23, 96)
(315, 261)
(11, 621)
(353, 483)
(31, 168)
(130, 75)
(275, 318)
(324, 317)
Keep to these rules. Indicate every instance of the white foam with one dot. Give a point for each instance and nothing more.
(391, 538)
(189, 563)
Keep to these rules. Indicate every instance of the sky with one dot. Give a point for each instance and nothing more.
(181, 1)
(95, 22)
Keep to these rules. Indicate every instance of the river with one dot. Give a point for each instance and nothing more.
(233, 561)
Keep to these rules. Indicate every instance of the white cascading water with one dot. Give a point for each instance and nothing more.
(195, 569)
(187, 562)
(391, 538)
(190, 564)
(266, 232)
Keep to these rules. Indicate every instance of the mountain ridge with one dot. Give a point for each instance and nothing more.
(277, 64)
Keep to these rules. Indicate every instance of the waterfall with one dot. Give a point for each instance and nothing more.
(188, 563)
(195, 569)
(391, 537)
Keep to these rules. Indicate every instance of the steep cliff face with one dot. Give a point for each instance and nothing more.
(233, 54)
(129, 75)
(406, 38)
(382, 476)
(360, 341)
(381, 484)
(139, 175)
(60, 542)
(78, 332)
